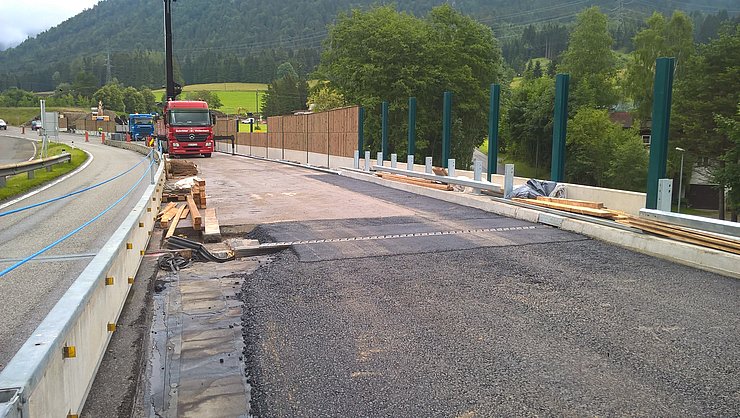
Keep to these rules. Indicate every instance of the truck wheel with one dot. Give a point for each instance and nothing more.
(207, 155)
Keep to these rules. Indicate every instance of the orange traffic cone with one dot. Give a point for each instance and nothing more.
(102, 137)
(128, 137)
(87, 136)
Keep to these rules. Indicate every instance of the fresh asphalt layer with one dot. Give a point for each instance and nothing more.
(490, 317)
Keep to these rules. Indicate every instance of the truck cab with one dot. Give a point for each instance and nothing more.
(140, 126)
(186, 128)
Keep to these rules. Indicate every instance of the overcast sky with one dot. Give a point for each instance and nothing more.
(20, 19)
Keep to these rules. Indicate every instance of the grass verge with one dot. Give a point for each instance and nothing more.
(19, 184)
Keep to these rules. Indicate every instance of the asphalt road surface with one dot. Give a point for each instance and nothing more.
(14, 150)
(29, 292)
(450, 311)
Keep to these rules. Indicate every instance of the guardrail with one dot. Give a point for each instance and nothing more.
(53, 371)
(31, 166)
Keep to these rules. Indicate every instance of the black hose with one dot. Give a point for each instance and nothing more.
(173, 262)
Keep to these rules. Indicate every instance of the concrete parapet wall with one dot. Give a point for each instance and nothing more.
(40, 381)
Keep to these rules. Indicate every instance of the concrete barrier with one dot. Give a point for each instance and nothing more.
(691, 255)
(51, 374)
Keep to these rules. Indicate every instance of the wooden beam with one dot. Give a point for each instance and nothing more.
(173, 226)
(212, 231)
(185, 213)
(194, 214)
(573, 202)
(599, 213)
(166, 208)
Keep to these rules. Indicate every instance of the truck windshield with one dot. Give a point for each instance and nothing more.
(189, 118)
(146, 121)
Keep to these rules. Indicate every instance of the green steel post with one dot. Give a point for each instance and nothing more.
(361, 129)
(662, 94)
(412, 126)
(446, 127)
(384, 130)
(559, 128)
(493, 118)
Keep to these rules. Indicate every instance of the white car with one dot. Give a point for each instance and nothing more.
(3, 125)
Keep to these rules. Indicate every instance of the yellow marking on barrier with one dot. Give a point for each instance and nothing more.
(130, 280)
(69, 351)
(141, 224)
(141, 252)
(109, 281)
(71, 415)
(129, 246)
(111, 327)
(148, 209)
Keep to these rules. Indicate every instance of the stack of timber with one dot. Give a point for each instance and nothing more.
(199, 193)
(180, 168)
(193, 198)
(415, 181)
(680, 233)
(663, 229)
(582, 207)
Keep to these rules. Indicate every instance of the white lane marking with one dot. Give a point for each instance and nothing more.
(53, 183)
(34, 151)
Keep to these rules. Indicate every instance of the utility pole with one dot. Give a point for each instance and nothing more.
(107, 69)
(173, 89)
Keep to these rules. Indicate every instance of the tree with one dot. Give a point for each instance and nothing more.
(383, 55)
(590, 61)
(18, 98)
(284, 96)
(658, 39)
(133, 101)
(602, 153)
(323, 97)
(729, 175)
(112, 97)
(85, 84)
(529, 121)
(214, 102)
(286, 70)
(150, 104)
(537, 70)
(708, 92)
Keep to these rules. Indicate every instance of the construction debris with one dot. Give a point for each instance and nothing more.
(663, 229)
(180, 168)
(416, 181)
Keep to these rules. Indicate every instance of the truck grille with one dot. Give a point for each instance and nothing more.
(195, 137)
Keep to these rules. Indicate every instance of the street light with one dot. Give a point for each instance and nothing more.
(680, 178)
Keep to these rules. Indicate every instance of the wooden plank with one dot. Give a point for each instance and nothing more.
(655, 229)
(167, 217)
(185, 213)
(573, 202)
(678, 234)
(416, 182)
(194, 213)
(599, 213)
(166, 208)
(172, 227)
(211, 231)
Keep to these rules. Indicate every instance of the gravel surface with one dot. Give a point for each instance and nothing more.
(524, 326)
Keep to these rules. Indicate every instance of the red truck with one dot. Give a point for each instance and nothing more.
(186, 128)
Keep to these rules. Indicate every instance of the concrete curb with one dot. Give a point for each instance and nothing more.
(687, 254)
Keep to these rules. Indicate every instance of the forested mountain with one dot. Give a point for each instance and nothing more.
(245, 40)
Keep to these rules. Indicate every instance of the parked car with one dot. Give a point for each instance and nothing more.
(35, 124)
(3, 125)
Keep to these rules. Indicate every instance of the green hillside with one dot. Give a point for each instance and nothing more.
(227, 40)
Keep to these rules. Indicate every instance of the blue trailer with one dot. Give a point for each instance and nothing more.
(140, 126)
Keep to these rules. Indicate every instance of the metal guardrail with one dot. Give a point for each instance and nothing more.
(53, 371)
(696, 222)
(31, 166)
(482, 185)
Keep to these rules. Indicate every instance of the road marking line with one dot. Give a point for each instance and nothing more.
(53, 183)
